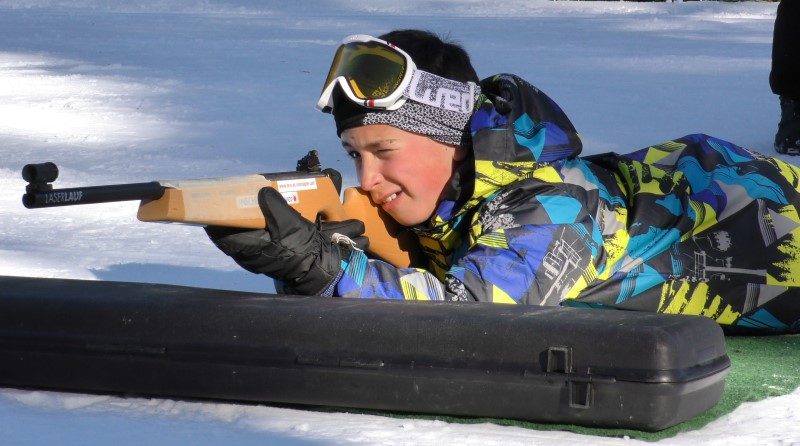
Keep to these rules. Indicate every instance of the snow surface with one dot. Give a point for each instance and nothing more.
(119, 92)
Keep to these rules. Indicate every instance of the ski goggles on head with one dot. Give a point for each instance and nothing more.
(374, 73)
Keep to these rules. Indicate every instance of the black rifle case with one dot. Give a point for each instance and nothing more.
(546, 364)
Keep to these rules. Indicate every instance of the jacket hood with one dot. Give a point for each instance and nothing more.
(515, 129)
(516, 122)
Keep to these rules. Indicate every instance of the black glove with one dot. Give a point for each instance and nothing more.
(291, 249)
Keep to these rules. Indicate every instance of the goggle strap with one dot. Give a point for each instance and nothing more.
(428, 88)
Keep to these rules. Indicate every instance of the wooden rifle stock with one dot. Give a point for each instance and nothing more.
(233, 202)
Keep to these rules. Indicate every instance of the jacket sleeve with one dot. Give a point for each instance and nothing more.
(532, 249)
(371, 278)
(529, 264)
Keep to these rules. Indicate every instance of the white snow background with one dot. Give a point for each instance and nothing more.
(118, 92)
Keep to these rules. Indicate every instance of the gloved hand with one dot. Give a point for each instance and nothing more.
(291, 249)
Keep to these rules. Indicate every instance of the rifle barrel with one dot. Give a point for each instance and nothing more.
(93, 194)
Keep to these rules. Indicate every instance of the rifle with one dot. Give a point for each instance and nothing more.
(232, 201)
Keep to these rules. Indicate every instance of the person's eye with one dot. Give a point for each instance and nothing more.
(354, 155)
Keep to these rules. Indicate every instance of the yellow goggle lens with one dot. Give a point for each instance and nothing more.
(372, 70)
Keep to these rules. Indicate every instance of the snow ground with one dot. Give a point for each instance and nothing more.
(132, 91)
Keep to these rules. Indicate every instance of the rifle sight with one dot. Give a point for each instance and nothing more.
(40, 173)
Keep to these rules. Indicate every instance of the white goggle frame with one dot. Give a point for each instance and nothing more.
(417, 85)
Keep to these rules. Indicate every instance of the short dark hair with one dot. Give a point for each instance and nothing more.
(434, 54)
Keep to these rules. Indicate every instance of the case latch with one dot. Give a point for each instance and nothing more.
(559, 360)
(580, 394)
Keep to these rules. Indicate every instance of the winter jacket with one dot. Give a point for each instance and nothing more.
(695, 225)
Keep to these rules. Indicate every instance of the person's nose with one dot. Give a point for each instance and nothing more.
(369, 175)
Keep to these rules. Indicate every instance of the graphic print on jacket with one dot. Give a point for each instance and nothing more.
(694, 226)
(729, 221)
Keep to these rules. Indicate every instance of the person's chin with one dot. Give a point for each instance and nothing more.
(407, 219)
(401, 217)
(398, 214)
(404, 210)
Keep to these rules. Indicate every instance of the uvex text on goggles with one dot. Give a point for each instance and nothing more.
(375, 74)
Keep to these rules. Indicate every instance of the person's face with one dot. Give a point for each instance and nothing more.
(404, 173)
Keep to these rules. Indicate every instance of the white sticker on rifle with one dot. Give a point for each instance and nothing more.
(296, 185)
(247, 201)
(291, 197)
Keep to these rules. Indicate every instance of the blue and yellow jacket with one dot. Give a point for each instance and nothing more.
(694, 225)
